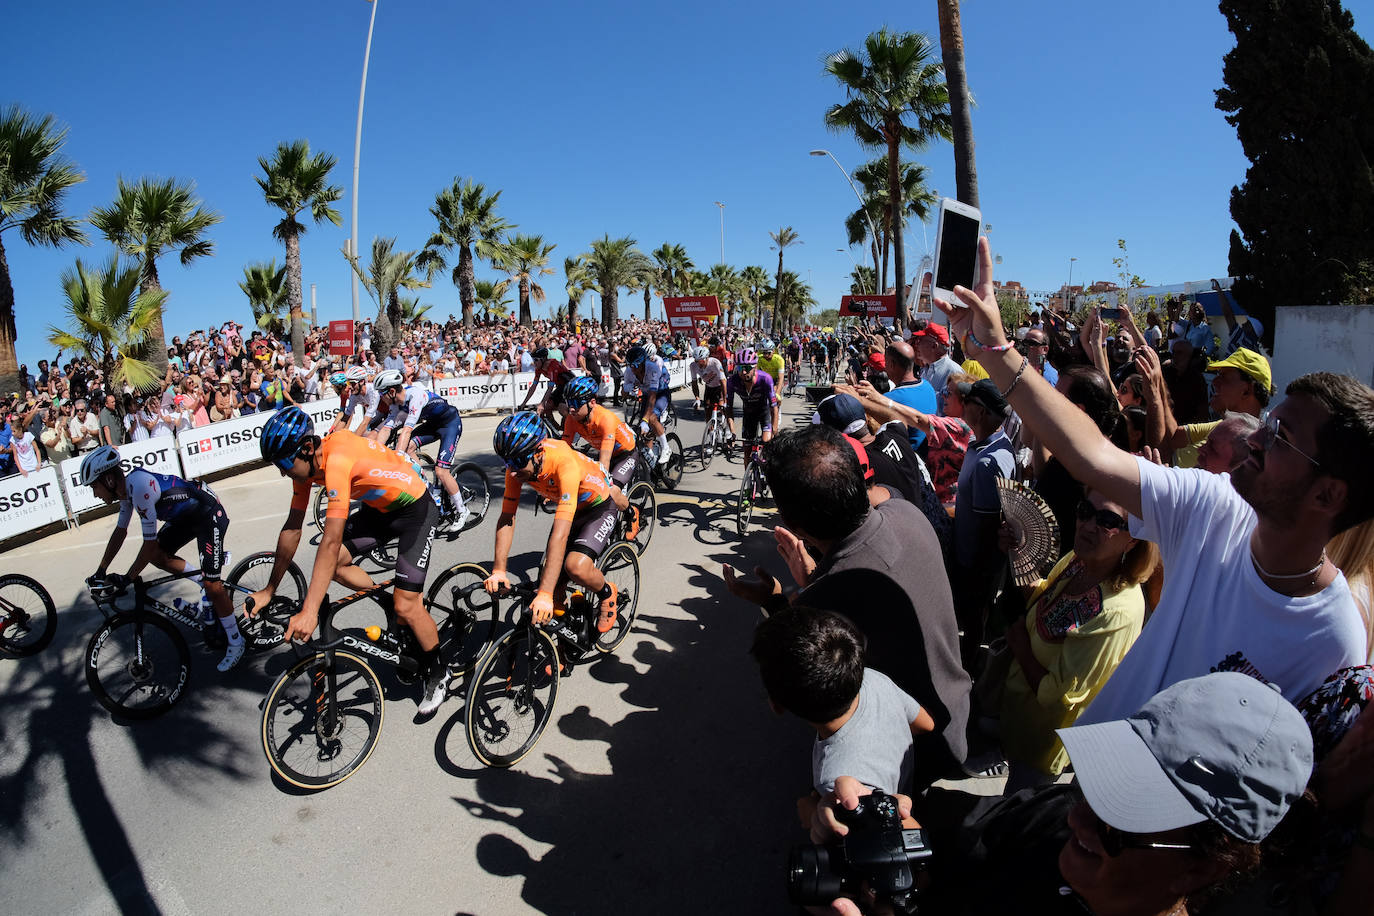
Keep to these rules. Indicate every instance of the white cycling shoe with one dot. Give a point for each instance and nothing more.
(233, 654)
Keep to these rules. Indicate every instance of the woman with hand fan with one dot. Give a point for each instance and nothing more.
(1080, 622)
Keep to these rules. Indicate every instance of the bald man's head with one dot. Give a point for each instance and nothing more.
(901, 360)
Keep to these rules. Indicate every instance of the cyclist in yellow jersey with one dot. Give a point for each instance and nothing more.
(583, 523)
(771, 361)
(396, 503)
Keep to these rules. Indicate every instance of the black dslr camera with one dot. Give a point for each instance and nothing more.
(877, 853)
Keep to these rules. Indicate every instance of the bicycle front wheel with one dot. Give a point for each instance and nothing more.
(744, 501)
(641, 495)
(510, 700)
(267, 629)
(321, 502)
(465, 616)
(620, 566)
(708, 445)
(671, 472)
(474, 491)
(28, 618)
(137, 667)
(315, 737)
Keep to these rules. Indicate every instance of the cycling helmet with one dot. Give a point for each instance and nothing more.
(97, 463)
(581, 390)
(338, 379)
(517, 437)
(649, 350)
(283, 434)
(746, 357)
(766, 345)
(355, 374)
(388, 379)
(701, 353)
(541, 354)
(635, 356)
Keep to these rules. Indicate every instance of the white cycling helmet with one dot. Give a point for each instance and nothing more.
(356, 374)
(766, 345)
(388, 379)
(650, 351)
(701, 353)
(97, 463)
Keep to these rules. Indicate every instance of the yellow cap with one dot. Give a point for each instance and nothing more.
(1249, 362)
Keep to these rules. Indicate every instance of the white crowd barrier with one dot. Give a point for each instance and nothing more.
(48, 494)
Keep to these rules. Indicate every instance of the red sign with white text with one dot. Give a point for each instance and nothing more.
(878, 306)
(685, 311)
(341, 338)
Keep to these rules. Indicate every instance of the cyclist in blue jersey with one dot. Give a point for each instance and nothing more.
(188, 509)
(422, 417)
(648, 372)
(756, 394)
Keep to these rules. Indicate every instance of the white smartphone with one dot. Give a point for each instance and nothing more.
(956, 248)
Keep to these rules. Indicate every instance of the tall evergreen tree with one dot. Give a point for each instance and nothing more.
(1297, 91)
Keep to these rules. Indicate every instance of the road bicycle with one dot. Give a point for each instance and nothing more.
(28, 617)
(322, 717)
(641, 494)
(713, 438)
(137, 662)
(667, 474)
(474, 491)
(512, 692)
(634, 411)
(752, 487)
(793, 376)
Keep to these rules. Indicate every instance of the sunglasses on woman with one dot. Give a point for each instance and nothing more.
(1103, 518)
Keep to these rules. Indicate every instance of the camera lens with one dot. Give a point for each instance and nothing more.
(810, 881)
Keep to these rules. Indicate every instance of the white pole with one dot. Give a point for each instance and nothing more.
(722, 231)
(314, 316)
(357, 154)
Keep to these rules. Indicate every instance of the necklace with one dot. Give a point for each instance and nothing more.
(1302, 575)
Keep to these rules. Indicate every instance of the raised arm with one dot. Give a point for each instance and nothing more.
(1067, 431)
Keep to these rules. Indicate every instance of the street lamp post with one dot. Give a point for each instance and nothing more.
(863, 207)
(722, 231)
(1068, 290)
(357, 153)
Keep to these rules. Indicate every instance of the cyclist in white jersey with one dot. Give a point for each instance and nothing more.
(651, 376)
(707, 371)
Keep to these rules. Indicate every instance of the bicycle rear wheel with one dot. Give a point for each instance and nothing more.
(466, 619)
(620, 566)
(474, 491)
(510, 701)
(137, 667)
(671, 472)
(267, 629)
(28, 618)
(641, 495)
(300, 745)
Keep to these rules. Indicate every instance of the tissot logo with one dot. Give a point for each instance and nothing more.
(19, 498)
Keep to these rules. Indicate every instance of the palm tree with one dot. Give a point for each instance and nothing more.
(491, 295)
(578, 281)
(614, 263)
(897, 97)
(467, 219)
(110, 321)
(149, 219)
(862, 280)
(526, 258)
(390, 272)
(795, 296)
(917, 201)
(952, 50)
(781, 239)
(412, 310)
(294, 180)
(34, 178)
(671, 270)
(754, 280)
(264, 283)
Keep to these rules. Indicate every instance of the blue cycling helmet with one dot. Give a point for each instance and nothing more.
(338, 379)
(581, 390)
(636, 356)
(282, 436)
(517, 437)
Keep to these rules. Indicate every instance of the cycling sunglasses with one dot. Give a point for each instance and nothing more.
(1103, 518)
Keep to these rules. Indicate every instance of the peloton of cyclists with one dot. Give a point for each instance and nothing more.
(396, 503)
(188, 509)
(422, 417)
(583, 522)
(645, 370)
(757, 397)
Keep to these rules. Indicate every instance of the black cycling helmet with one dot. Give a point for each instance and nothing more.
(541, 354)
(636, 355)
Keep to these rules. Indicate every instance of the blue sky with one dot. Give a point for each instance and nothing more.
(1094, 122)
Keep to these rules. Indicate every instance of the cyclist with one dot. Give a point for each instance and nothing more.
(395, 504)
(354, 391)
(188, 509)
(719, 352)
(587, 501)
(651, 376)
(792, 353)
(613, 439)
(549, 364)
(422, 417)
(707, 371)
(771, 361)
(756, 394)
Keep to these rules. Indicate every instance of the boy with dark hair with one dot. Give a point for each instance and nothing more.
(812, 664)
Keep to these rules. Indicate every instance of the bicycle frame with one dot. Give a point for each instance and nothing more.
(145, 604)
(332, 638)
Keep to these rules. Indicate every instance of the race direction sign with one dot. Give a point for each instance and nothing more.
(684, 311)
(341, 338)
(875, 306)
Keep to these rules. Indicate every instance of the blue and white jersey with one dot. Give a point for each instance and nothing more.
(419, 405)
(165, 497)
(652, 376)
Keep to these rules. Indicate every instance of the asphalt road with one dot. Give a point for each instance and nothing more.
(663, 785)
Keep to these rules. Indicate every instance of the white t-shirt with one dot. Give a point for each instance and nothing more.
(1216, 614)
(24, 452)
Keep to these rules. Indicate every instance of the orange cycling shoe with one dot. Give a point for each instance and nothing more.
(633, 531)
(608, 610)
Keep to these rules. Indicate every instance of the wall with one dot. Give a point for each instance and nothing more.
(1333, 338)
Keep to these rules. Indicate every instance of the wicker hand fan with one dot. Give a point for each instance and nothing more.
(1034, 529)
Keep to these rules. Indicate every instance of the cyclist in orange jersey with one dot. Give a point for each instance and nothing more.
(396, 503)
(583, 522)
(612, 438)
